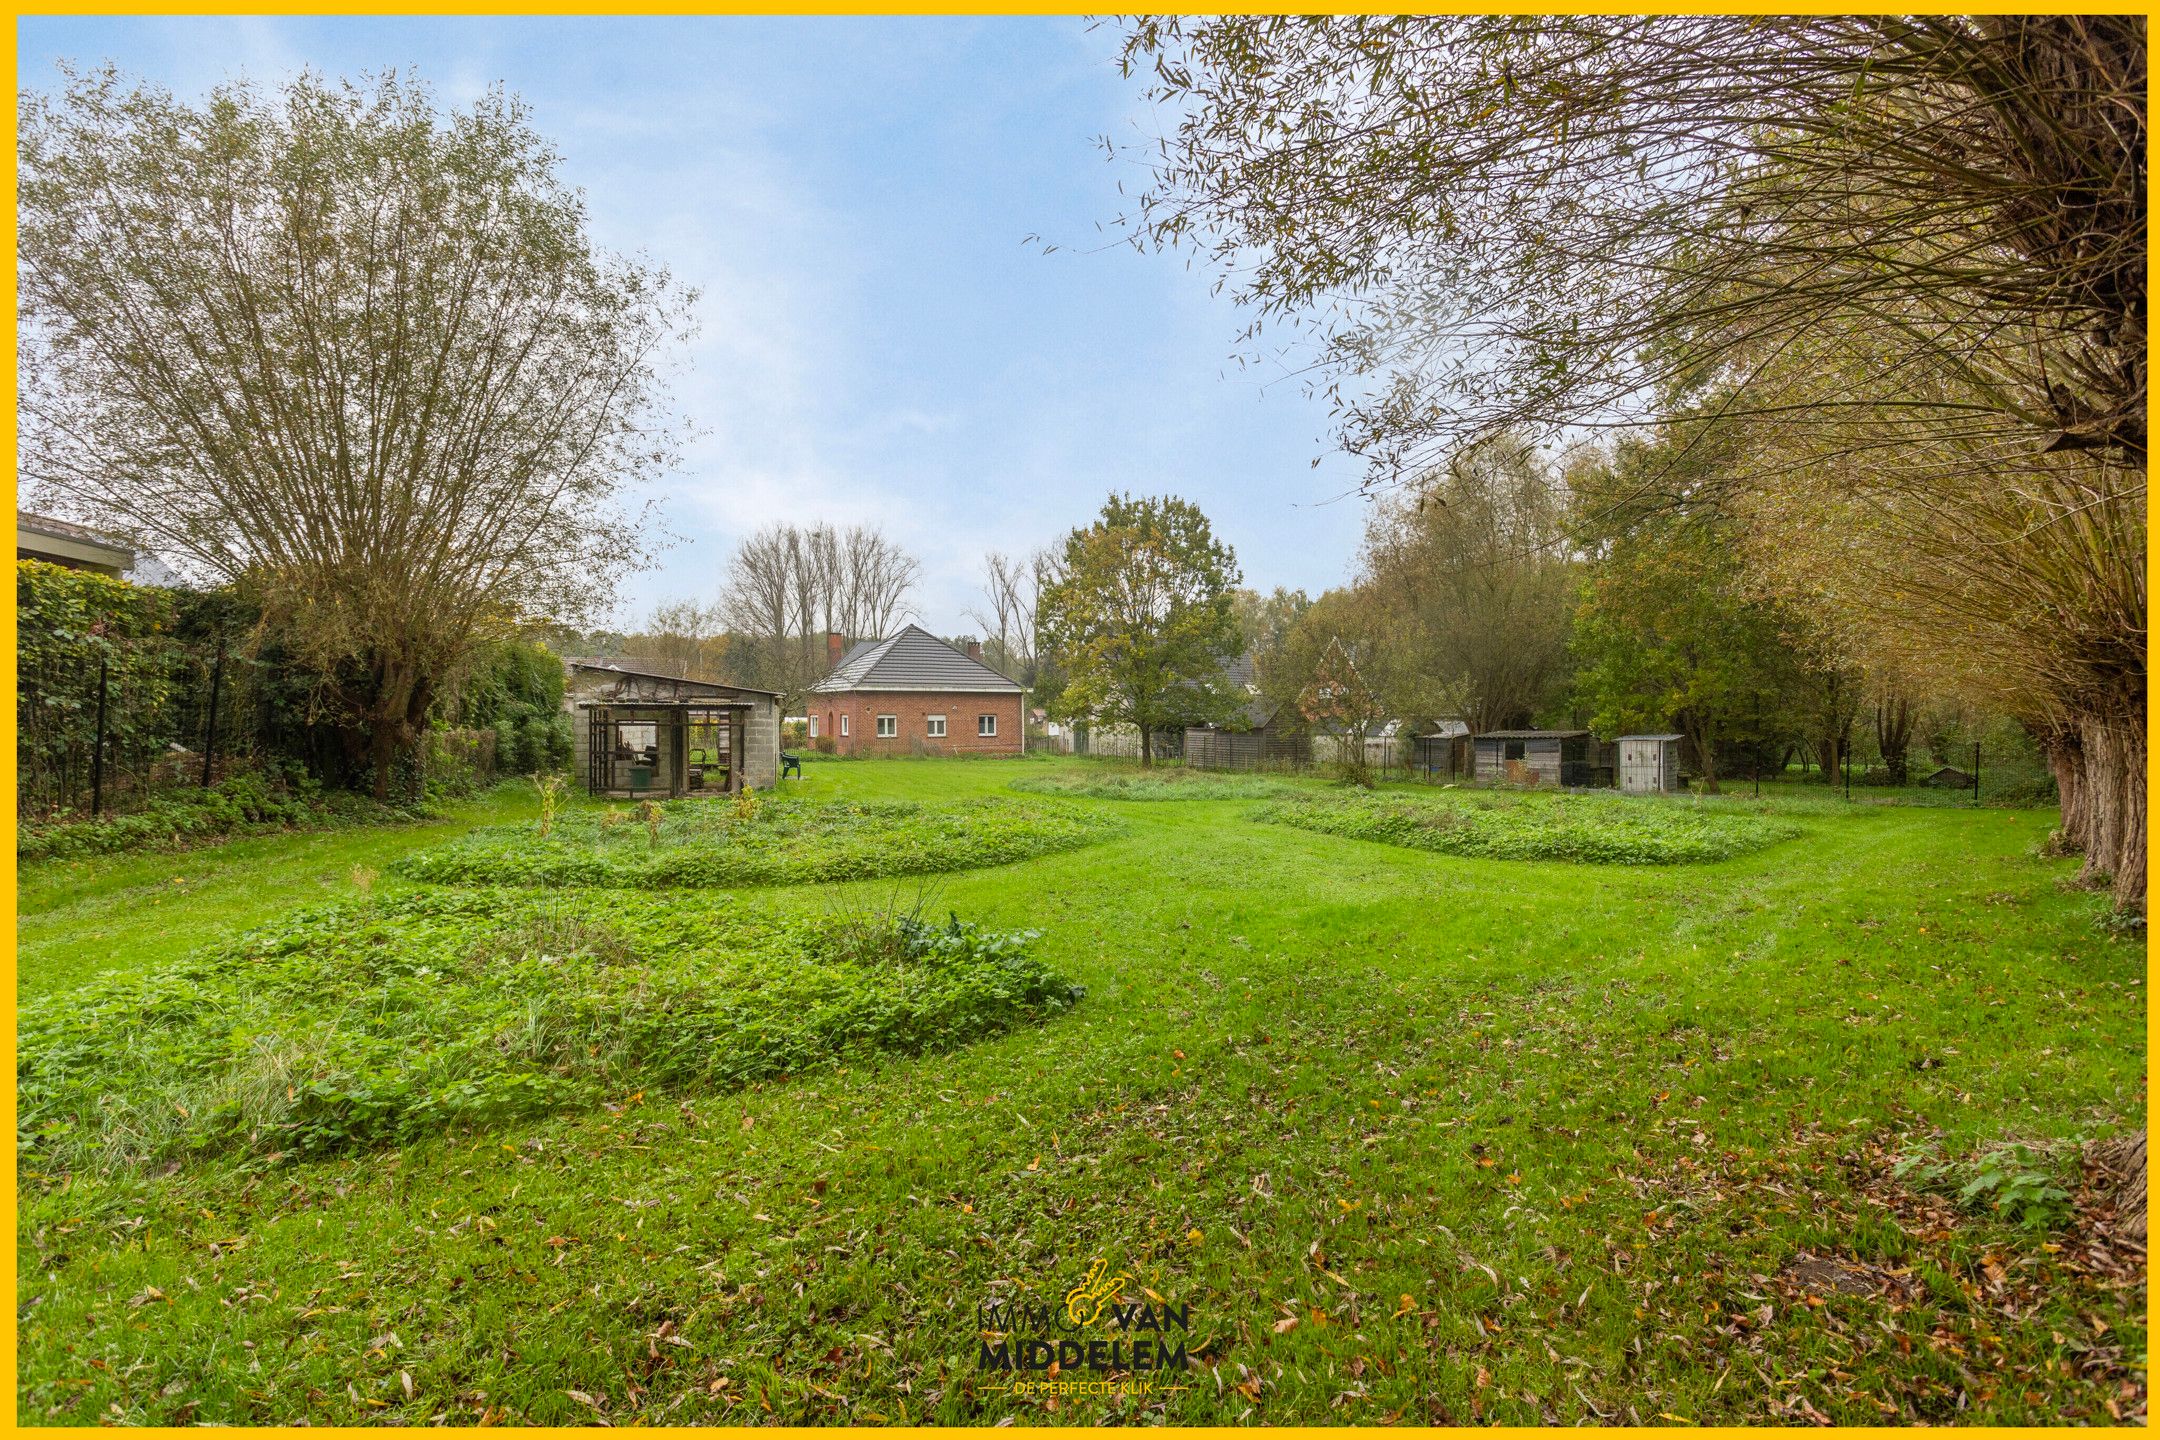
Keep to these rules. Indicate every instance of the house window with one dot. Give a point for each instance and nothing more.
(935, 727)
(888, 726)
(1511, 749)
(843, 725)
(813, 727)
(986, 724)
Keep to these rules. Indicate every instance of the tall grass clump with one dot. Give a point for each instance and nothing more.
(1165, 783)
(756, 841)
(1586, 829)
(386, 1022)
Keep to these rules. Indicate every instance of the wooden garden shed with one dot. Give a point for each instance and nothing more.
(1649, 764)
(1572, 758)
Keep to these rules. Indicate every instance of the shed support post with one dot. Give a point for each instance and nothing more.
(97, 751)
(209, 747)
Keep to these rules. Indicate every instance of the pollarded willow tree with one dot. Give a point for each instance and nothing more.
(1905, 249)
(350, 352)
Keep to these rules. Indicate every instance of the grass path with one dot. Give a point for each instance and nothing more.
(1418, 1138)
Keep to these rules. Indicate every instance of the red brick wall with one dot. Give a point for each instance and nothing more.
(912, 708)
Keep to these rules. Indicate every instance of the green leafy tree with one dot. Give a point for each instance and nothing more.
(1268, 622)
(1665, 629)
(1141, 621)
(1477, 573)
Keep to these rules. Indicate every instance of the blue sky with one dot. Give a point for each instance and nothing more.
(877, 343)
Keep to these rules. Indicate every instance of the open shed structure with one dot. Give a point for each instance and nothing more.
(1649, 764)
(637, 734)
(1572, 758)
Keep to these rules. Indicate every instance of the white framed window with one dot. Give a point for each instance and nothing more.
(934, 727)
(813, 727)
(986, 724)
(888, 726)
(843, 725)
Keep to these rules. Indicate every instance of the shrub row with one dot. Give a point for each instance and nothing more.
(1596, 830)
(712, 843)
(391, 1020)
(239, 805)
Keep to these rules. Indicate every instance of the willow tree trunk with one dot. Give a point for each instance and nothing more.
(2112, 796)
(2066, 758)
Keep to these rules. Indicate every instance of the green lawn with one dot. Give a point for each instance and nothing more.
(1417, 1137)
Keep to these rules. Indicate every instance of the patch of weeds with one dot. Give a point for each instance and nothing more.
(1598, 830)
(756, 841)
(245, 804)
(2123, 922)
(1172, 782)
(387, 1021)
(2010, 1182)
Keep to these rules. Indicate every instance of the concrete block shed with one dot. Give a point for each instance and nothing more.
(639, 733)
(1649, 764)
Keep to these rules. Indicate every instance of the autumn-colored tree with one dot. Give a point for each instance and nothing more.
(1141, 622)
(1473, 569)
(1339, 702)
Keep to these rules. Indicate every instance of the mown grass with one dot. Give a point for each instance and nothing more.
(1587, 829)
(713, 843)
(1513, 1141)
(81, 917)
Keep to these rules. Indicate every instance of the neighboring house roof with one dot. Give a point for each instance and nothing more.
(913, 659)
(1618, 738)
(1531, 734)
(636, 668)
(46, 537)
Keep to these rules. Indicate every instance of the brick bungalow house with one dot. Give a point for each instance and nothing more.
(914, 694)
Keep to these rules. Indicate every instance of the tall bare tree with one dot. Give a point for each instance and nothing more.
(354, 353)
(788, 586)
(1013, 588)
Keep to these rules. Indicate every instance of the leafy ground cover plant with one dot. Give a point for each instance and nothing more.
(1166, 783)
(386, 1021)
(242, 805)
(1596, 830)
(2009, 1181)
(774, 842)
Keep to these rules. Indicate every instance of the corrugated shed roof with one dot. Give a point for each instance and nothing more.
(913, 659)
(1530, 734)
(630, 666)
(1618, 738)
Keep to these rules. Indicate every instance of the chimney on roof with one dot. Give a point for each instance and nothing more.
(835, 644)
(974, 649)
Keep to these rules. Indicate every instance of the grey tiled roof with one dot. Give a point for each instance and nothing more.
(914, 659)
